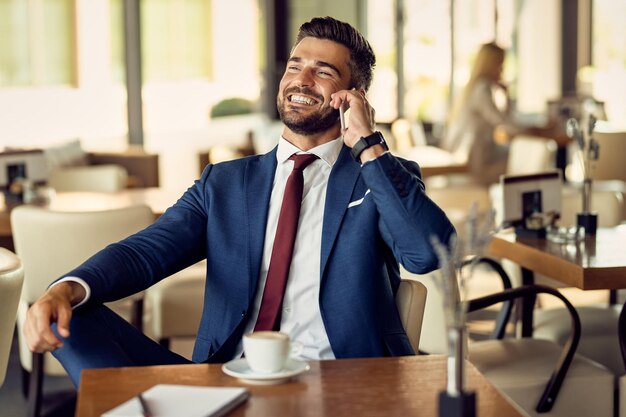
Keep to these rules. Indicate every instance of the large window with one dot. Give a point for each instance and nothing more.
(176, 39)
(433, 73)
(381, 35)
(426, 59)
(37, 42)
(608, 74)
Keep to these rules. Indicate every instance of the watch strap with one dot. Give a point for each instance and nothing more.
(365, 142)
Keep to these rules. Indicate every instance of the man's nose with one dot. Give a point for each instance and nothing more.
(305, 78)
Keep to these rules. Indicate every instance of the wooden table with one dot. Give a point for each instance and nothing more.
(406, 386)
(435, 161)
(595, 263)
(158, 199)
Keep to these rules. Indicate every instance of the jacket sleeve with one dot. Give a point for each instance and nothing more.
(408, 218)
(176, 240)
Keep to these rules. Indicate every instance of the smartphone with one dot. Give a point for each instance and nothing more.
(344, 114)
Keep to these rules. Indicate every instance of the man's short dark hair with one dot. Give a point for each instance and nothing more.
(362, 58)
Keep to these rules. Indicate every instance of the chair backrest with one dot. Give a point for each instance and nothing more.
(402, 135)
(411, 301)
(608, 205)
(99, 178)
(553, 385)
(530, 154)
(457, 201)
(51, 243)
(11, 279)
(610, 164)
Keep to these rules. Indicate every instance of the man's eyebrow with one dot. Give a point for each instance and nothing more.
(317, 63)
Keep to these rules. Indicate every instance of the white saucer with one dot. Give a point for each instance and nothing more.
(239, 369)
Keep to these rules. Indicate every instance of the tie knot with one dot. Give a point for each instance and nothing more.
(302, 161)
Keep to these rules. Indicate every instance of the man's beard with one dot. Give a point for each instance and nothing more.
(310, 124)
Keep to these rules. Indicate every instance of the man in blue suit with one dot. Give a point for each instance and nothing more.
(363, 212)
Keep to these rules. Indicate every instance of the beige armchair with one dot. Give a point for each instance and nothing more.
(11, 279)
(174, 306)
(411, 301)
(52, 243)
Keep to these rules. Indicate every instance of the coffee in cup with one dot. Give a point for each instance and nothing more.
(266, 351)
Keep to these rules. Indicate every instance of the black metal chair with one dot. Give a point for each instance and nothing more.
(533, 372)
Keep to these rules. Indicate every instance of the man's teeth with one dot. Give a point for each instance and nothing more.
(302, 100)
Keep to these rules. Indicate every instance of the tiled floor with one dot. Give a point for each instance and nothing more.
(59, 393)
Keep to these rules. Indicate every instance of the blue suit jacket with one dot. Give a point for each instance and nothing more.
(222, 217)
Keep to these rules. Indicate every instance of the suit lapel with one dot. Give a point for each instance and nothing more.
(340, 185)
(259, 177)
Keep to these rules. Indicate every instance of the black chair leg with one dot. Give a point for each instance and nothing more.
(137, 314)
(35, 386)
(25, 382)
(165, 342)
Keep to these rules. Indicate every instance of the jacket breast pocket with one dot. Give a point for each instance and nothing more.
(359, 201)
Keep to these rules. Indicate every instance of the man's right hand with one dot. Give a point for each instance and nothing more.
(54, 306)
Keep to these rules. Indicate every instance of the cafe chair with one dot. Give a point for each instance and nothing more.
(457, 201)
(11, 279)
(531, 154)
(599, 320)
(433, 331)
(411, 301)
(540, 376)
(97, 178)
(610, 164)
(173, 306)
(407, 134)
(51, 243)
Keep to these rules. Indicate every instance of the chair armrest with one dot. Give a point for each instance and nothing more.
(507, 307)
(569, 349)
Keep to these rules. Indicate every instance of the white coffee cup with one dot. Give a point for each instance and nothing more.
(267, 351)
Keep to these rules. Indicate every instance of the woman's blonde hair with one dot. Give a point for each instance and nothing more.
(489, 56)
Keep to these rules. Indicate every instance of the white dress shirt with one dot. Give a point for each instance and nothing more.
(300, 317)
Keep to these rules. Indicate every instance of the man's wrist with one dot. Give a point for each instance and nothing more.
(371, 153)
(369, 147)
(75, 290)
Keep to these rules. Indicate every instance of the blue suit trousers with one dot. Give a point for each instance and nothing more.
(99, 338)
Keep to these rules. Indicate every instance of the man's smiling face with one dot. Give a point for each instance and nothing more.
(316, 69)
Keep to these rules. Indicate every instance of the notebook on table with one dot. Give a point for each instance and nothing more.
(165, 400)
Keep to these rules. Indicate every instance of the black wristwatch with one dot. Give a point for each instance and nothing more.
(362, 144)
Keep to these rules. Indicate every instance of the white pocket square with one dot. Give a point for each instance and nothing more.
(359, 201)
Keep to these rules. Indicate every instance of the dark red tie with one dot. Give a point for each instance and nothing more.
(282, 251)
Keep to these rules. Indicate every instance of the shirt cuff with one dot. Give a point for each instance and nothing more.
(82, 283)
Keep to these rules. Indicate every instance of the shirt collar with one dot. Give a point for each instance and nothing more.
(327, 152)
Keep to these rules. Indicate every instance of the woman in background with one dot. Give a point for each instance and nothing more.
(477, 128)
